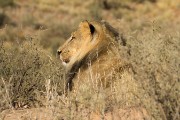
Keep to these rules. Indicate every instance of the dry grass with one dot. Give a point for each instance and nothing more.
(31, 77)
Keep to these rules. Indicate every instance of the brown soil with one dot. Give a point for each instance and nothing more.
(47, 114)
(29, 114)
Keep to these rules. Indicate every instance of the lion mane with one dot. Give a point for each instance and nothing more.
(93, 45)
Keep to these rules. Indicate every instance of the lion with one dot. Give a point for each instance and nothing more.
(94, 44)
(92, 55)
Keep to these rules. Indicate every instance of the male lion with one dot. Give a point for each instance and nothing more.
(92, 55)
(93, 46)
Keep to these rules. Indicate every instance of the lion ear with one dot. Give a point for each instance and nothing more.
(86, 28)
(92, 28)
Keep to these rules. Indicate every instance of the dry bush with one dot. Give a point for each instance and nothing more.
(29, 77)
(24, 70)
(155, 57)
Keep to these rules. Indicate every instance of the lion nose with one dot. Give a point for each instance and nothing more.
(59, 52)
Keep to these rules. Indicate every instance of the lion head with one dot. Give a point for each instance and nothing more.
(87, 40)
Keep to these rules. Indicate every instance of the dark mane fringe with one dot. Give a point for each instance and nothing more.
(78, 64)
(110, 28)
(118, 37)
(72, 73)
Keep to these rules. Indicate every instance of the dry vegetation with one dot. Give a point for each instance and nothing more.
(32, 77)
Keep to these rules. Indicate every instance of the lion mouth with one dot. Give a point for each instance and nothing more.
(64, 61)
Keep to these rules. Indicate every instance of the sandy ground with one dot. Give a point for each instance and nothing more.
(47, 114)
(29, 114)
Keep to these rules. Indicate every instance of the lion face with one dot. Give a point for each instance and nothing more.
(69, 48)
(79, 44)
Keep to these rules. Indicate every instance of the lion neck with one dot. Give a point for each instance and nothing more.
(106, 56)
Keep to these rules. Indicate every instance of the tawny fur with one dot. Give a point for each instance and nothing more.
(91, 54)
(92, 48)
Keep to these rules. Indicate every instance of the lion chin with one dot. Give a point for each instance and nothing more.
(64, 64)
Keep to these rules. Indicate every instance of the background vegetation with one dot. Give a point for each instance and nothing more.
(32, 77)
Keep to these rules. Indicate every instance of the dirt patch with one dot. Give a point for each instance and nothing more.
(134, 113)
(30, 114)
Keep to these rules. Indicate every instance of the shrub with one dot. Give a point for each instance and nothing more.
(25, 71)
(154, 55)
